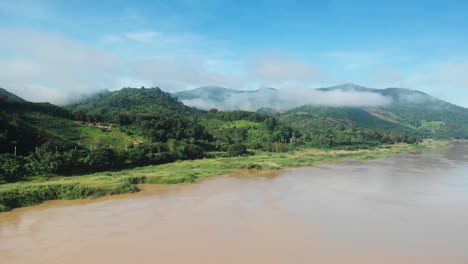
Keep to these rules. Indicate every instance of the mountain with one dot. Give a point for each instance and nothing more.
(349, 105)
(133, 115)
(7, 96)
(136, 127)
(347, 87)
(209, 97)
(28, 125)
(159, 116)
(125, 128)
(132, 101)
(214, 93)
(408, 110)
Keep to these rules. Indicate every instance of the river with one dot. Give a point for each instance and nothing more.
(412, 208)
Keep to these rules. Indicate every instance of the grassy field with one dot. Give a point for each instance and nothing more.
(84, 135)
(107, 183)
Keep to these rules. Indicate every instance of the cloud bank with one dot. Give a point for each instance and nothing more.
(41, 66)
(44, 67)
(281, 100)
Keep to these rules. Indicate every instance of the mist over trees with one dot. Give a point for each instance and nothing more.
(146, 126)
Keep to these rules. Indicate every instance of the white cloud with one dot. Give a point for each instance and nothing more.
(154, 38)
(41, 66)
(182, 72)
(296, 97)
(449, 75)
(285, 99)
(34, 62)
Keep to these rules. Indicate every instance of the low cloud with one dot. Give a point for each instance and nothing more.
(41, 66)
(336, 98)
(281, 100)
(153, 39)
(451, 74)
(44, 67)
(179, 73)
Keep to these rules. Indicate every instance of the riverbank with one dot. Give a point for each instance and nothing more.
(23, 194)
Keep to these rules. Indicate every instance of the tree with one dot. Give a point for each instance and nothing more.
(237, 149)
(101, 159)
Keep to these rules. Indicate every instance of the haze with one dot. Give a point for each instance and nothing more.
(58, 50)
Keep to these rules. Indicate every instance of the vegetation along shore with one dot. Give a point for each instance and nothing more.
(21, 194)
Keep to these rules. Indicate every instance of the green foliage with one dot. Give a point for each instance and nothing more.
(431, 126)
(21, 194)
(7, 96)
(119, 105)
(11, 169)
(37, 193)
(237, 149)
(137, 127)
(252, 129)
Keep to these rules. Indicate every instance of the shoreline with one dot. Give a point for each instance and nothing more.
(23, 194)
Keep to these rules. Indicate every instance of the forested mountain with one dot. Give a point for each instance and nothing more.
(128, 101)
(144, 126)
(158, 117)
(401, 110)
(409, 111)
(125, 128)
(17, 128)
(7, 96)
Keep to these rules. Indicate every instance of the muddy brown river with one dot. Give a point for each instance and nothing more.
(412, 208)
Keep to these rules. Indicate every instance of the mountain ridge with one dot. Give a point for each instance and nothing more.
(8, 96)
(407, 110)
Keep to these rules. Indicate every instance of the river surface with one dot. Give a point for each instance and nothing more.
(412, 208)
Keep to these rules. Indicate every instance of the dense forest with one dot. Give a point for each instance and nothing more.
(146, 126)
(406, 111)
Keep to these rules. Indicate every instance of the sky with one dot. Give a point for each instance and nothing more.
(56, 51)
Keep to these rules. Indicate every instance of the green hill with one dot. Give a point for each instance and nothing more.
(408, 111)
(121, 129)
(423, 114)
(7, 96)
(129, 101)
(156, 115)
(29, 125)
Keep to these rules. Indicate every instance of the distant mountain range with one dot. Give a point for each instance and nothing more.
(209, 97)
(345, 110)
(348, 105)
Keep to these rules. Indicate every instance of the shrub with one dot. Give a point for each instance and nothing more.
(237, 149)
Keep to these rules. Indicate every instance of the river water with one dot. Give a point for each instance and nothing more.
(412, 208)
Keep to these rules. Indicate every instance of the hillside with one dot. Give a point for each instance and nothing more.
(145, 111)
(401, 110)
(137, 127)
(424, 114)
(121, 129)
(29, 125)
(7, 96)
(130, 101)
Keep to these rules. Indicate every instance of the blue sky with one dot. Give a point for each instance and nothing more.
(57, 49)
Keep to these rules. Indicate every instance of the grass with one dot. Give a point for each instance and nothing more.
(94, 136)
(107, 183)
(81, 134)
